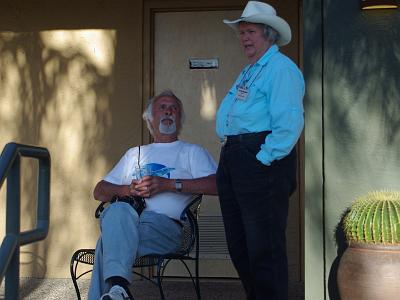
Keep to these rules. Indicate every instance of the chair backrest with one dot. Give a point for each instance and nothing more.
(190, 227)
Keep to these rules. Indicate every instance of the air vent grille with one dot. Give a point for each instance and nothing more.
(212, 237)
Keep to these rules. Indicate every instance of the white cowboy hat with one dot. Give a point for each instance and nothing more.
(263, 13)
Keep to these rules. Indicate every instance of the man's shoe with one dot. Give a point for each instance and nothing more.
(117, 292)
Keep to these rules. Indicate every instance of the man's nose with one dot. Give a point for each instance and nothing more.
(168, 111)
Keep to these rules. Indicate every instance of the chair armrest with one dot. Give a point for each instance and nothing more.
(194, 203)
(195, 199)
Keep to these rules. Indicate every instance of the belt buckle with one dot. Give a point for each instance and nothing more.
(223, 141)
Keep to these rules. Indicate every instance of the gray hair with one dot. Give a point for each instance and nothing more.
(148, 112)
(270, 33)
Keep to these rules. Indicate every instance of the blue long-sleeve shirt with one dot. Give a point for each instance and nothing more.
(274, 102)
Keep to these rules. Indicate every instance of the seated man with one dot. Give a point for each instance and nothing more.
(176, 169)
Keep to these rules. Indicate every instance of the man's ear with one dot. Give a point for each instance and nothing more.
(150, 127)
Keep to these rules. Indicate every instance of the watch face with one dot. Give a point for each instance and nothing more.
(178, 185)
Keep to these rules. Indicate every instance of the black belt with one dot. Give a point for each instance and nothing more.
(246, 137)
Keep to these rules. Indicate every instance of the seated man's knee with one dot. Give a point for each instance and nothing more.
(121, 210)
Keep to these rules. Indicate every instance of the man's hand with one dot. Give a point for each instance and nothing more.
(105, 191)
(151, 185)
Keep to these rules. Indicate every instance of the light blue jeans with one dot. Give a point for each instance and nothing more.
(124, 236)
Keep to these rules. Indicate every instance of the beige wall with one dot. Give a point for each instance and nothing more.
(70, 81)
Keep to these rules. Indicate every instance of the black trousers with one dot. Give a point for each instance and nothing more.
(254, 203)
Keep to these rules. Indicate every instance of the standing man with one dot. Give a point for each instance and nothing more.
(174, 171)
(259, 122)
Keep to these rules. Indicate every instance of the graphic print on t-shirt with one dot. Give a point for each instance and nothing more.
(152, 169)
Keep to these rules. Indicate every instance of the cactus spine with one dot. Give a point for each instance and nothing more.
(374, 218)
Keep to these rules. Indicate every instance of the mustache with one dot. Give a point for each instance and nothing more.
(171, 118)
(169, 128)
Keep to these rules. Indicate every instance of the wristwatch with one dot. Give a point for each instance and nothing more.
(178, 185)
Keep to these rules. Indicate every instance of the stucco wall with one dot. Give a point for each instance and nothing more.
(70, 81)
(352, 63)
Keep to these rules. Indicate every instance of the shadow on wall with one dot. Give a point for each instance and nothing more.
(361, 111)
(39, 267)
(53, 98)
(353, 116)
(362, 63)
(68, 87)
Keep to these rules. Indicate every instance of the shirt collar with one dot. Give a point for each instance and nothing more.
(265, 58)
(267, 55)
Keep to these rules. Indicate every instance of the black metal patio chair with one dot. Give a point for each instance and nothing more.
(189, 251)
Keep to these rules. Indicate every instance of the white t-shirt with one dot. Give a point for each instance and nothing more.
(170, 160)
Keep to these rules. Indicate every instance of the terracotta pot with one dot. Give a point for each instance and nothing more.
(369, 272)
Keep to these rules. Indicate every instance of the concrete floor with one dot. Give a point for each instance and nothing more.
(55, 289)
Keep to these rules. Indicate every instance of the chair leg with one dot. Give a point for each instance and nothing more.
(197, 280)
(72, 268)
(159, 278)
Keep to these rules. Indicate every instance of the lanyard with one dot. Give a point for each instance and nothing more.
(242, 90)
(244, 81)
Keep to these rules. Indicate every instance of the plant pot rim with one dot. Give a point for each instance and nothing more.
(371, 246)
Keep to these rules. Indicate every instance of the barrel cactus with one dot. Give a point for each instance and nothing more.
(374, 219)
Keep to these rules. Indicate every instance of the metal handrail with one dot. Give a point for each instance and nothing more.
(10, 165)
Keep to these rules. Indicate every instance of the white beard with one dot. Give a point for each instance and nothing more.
(167, 129)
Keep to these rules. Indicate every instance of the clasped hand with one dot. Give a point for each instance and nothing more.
(148, 186)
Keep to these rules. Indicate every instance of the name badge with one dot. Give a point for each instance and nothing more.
(242, 93)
